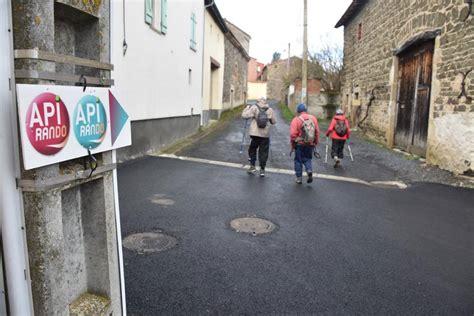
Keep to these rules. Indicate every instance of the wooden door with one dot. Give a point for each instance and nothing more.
(414, 99)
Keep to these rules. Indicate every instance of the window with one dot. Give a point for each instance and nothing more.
(258, 68)
(193, 43)
(359, 32)
(156, 14)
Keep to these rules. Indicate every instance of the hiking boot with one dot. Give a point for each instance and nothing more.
(310, 177)
(262, 172)
(252, 170)
(299, 180)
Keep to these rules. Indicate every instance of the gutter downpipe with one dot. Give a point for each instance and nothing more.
(202, 63)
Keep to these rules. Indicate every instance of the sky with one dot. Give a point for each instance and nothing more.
(273, 24)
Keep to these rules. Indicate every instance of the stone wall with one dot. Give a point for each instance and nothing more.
(235, 74)
(370, 62)
(322, 105)
(275, 74)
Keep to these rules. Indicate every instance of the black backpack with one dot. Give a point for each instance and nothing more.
(341, 128)
(262, 117)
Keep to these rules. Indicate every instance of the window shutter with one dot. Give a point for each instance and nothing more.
(148, 11)
(164, 16)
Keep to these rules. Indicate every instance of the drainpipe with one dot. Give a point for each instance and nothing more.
(202, 63)
(11, 204)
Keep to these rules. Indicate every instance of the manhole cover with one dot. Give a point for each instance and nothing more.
(252, 225)
(149, 242)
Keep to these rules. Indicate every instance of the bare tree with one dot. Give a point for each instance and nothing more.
(330, 59)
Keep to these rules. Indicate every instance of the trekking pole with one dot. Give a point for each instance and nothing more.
(327, 148)
(270, 148)
(350, 151)
(243, 137)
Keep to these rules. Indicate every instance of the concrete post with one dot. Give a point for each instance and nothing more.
(70, 228)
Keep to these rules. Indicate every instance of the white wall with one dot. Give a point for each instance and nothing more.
(214, 47)
(256, 90)
(152, 78)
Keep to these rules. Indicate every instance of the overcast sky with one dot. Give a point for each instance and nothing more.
(275, 23)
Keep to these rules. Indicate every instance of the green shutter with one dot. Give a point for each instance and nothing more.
(164, 16)
(148, 11)
(193, 31)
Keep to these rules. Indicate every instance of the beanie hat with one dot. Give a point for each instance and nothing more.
(301, 108)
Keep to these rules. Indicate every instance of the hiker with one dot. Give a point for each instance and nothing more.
(262, 116)
(339, 131)
(304, 135)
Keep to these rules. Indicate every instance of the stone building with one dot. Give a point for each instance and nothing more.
(236, 44)
(68, 219)
(408, 77)
(274, 74)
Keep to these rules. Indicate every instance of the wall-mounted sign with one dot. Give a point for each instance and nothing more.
(59, 123)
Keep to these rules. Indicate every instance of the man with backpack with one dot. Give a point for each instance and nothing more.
(339, 131)
(262, 116)
(304, 135)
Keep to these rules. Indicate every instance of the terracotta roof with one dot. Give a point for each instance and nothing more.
(351, 12)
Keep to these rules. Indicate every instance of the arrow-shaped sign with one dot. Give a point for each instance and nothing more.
(118, 117)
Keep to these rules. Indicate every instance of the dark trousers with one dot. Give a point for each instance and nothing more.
(303, 157)
(337, 148)
(263, 146)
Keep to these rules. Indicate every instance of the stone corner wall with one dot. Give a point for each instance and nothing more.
(370, 62)
(235, 76)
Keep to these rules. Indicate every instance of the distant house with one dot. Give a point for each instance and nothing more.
(283, 78)
(160, 73)
(215, 29)
(257, 87)
(274, 74)
(255, 70)
(237, 44)
(407, 78)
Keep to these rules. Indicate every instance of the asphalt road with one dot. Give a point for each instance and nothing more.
(339, 248)
(372, 162)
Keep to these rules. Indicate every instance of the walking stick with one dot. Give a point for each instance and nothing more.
(243, 137)
(270, 148)
(350, 151)
(327, 148)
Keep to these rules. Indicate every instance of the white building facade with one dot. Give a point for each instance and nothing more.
(213, 62)
(157, 56)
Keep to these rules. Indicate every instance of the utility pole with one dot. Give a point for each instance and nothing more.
(288, 61)
(304, 83)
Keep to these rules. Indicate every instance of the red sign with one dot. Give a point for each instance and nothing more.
(47, 123)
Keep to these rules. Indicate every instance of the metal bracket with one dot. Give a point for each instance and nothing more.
(463, 84)
(92, 163)
(469, 12)
(83, 79)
